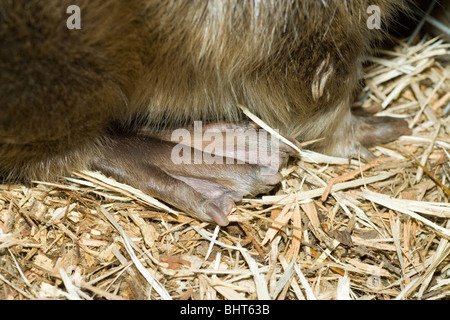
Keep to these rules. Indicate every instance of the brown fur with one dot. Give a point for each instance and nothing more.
(162, 64)
(170, 62)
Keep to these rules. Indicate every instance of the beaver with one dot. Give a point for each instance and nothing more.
(98, 84)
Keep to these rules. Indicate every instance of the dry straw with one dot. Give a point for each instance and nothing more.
(333, 229)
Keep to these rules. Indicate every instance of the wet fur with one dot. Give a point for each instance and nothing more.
(164, 63)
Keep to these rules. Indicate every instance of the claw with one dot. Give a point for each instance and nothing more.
(216, 214)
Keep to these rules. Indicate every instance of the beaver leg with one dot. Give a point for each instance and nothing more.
(205, 182)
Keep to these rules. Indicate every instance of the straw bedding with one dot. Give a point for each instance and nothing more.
(333, 229)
